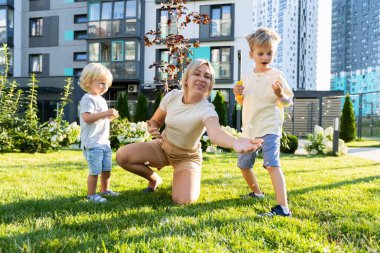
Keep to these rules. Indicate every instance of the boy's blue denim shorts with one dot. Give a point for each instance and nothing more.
(99, 159)
(270, 150)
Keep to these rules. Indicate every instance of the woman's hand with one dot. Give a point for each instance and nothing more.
(153, 129)
(245, 145)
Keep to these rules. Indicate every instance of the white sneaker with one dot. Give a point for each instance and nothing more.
(96, 198)
(110, 193)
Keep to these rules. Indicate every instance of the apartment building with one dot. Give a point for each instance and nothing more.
(296, 22)
(56, 39)
(355, 46)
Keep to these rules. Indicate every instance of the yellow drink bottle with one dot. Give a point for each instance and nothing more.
(239, 96)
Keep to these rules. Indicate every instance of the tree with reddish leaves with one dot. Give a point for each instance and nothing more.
(179, 47)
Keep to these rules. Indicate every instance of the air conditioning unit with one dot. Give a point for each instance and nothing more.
(132, 88)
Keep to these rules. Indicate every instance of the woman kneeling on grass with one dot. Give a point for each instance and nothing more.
(187, 114)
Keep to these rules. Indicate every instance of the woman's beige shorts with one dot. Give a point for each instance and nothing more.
(181, 159)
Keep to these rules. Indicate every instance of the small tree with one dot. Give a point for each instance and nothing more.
(220, 108)
(178, 46)
(141, 109)
(347, 121)
(122, 106)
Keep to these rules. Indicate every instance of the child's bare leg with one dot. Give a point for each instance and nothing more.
(92, 180)
(186, 186)
(136, 157)
(250, 178)
(278, 182)
(105, 179)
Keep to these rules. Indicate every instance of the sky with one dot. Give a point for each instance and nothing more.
(324, 45)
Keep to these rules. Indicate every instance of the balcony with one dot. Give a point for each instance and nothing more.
(114, 28)
(124, 70)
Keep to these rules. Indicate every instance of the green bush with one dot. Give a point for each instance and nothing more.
(141, 109)
(220, 108)
(117, 128)
(347, 121)
(122, 106)
(289, 143)
(20, 126)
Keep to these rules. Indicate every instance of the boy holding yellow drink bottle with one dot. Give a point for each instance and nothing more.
(263, 96)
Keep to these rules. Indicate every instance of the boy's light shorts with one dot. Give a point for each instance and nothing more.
(99, 159)
(270, 151)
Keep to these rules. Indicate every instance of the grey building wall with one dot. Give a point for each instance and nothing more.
(355, 35)
(57, 40)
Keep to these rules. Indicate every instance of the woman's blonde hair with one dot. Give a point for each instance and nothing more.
(263, 37)
(94, 71)
(194, 65)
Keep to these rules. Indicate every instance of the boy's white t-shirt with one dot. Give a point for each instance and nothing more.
(97, 133)
(184, 123)
(262, 112)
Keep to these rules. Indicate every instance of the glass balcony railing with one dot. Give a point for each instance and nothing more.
(222, 70)
(111, 28)
(124, 70)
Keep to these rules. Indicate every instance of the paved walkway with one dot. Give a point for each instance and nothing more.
(367, 153)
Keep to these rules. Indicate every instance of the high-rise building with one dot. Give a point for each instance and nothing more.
(355, 48)
(296, 22)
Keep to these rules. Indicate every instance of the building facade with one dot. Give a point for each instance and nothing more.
(355, 59)
(56, 39)
(296, 22)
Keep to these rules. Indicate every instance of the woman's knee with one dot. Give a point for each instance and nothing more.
(183, 200)
(122, 157)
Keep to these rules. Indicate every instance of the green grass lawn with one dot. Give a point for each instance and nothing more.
(335, 203)
(365, 143)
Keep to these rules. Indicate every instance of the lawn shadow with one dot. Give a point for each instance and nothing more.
(145, 210)
(290, 171)
(333, 185)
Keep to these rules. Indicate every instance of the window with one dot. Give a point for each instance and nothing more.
(80, 56)
(221, 21)
(168, 22)
(35, 63)
(36, 27)
(93, 49)
(80, 35)
(221, 61)
(77, 71)
(130, 8)
(106, 10)
(117, 50)
(3, 19)
(80, 18)
(164, 58)
(94, 10)
(130, 51)
(10, 18)
(118, 10)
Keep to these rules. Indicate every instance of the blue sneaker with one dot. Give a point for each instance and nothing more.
(253, 195)
(276, 211)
